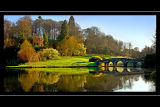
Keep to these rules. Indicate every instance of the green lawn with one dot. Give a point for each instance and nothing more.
(65, 62)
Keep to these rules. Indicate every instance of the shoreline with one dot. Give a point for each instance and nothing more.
(63, 66)
(50, 66)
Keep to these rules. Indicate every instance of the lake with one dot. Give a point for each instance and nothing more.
(78, 80)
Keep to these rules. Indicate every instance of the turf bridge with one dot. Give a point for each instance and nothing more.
(116, 60)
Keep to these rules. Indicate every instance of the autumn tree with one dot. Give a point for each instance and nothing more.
(37, 40)
(7, 27)
(136, 52)
(99, 43)
(90, 39)
(71, 47)
(24, 28)
(8, 40)
(27, 53)
(13, 31)
(147, 50)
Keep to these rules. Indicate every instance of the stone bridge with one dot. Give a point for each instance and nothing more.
(115, 60)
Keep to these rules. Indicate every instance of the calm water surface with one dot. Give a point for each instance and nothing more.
(78, 80)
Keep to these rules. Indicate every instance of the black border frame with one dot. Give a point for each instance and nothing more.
(157, 13)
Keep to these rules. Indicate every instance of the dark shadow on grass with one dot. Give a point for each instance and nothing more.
(81, 62)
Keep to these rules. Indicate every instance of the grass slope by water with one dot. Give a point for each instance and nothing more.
(62, 62)
(76, 61)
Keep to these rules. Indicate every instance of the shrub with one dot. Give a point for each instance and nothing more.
(95, 58)
(48, 54)
(27, 52)
(81, 50)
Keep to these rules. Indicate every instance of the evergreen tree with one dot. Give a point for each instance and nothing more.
(45, 37)
(75, 30)
(64, 34)
(72, 27)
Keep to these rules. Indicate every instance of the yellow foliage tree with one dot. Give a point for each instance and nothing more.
(71, 47)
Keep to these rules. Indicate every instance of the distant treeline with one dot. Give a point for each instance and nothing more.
(49, 33)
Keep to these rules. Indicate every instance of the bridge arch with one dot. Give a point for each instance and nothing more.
(130, 63)
(110, 63)
(120, 63)
(139, 64)
(101, 64)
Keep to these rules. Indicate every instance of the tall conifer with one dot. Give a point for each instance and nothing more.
(72, 27)
(64, 34)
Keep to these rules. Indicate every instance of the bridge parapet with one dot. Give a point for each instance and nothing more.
(115, 60)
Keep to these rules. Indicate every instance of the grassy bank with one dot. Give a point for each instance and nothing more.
(61, 62)
(76, 61)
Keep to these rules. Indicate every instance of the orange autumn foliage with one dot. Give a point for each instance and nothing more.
(27, 53)
(38, 40)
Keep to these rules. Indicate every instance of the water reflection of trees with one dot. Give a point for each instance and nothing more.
(11, 84)
(30, 78)
(71, 83)
(39, 81)
(104, 83)
(147, 78)
(127, 81)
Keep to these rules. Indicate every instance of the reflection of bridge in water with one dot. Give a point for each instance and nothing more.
(125, 61)
(119, 70)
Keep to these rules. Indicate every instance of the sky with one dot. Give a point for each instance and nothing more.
(137, 29)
